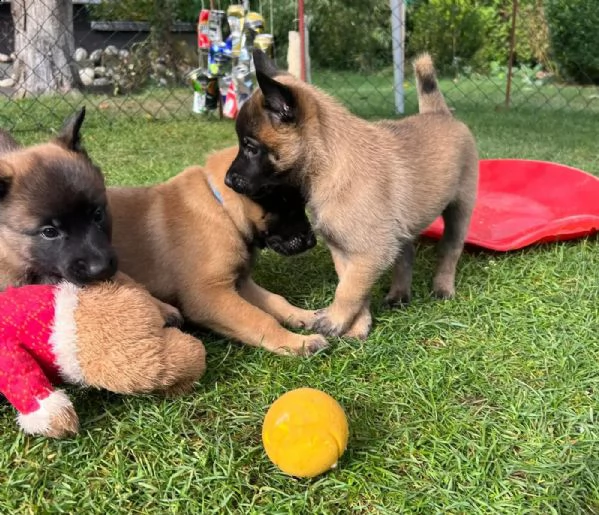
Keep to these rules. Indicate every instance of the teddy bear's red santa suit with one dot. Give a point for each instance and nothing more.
(37, 349)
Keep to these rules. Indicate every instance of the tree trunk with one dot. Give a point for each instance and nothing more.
(44, 47)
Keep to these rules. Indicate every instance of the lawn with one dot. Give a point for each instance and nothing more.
(484, 404)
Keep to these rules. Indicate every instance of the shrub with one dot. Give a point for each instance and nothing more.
(476, 33)
(451, 30)
(574, 42)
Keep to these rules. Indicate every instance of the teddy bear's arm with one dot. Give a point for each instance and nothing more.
(25, 385)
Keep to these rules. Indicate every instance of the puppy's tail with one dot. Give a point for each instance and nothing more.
(430, 98)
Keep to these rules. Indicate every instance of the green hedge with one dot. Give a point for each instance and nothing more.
(473, 34)
(574, 33)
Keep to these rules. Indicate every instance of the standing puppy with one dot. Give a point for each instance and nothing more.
(372, 187)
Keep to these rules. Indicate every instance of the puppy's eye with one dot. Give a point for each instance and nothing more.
(99, 215)
(49, 232)
(249, 147)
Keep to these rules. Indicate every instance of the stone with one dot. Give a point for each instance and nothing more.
(96, 56)
(111, 51)
(101, 81)
(7, 83)
(160, 69)
(100, 71)
(87, 76)
(5, 58)
(123, 54)
(80, 55)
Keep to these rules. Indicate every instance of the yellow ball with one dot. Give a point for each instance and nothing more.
(305, 432)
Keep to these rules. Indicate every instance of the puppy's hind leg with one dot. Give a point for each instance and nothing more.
(400, 293)
(457, 219)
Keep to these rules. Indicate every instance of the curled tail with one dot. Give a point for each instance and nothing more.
(430, 98)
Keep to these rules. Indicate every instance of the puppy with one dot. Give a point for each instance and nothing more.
(54, 222)
(191, 241)
(54, 218)
(372, 187)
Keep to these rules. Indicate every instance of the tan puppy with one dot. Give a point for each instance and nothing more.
(372, 187)
(190, 241)
(54, 221)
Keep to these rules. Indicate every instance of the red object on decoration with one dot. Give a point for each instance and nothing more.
(203, 39)
(230, 108)
(521, 202)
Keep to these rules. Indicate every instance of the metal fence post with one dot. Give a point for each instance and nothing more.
(398, 31)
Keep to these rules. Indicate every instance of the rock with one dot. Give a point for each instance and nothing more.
(111, 51)
(96, 56)
(160, 69)
(87, 76)
(123, 54)
(99, 71)
(4, 58)
(13, 56)
(7, 83)
(101, 81)
(80, 54)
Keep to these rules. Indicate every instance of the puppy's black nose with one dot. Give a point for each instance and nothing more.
(99, 269)
(229, 180)
(310, 241)
(238, 183)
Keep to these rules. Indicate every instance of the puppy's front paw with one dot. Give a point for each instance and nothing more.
(397, 300)
(443, 293)
(171, 315)
(314, 343)
(361, 327)
(301, 319)
(327, 325)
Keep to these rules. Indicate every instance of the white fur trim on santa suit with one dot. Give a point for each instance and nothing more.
(64, 333)
(38, 421)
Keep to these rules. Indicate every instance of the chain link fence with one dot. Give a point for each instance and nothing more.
(132, 58)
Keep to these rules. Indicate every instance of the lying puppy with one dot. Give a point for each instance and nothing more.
(53, 218)
(372, 187)
(191, 241)
(54, 221)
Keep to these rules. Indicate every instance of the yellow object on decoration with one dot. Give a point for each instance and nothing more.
(305, 432)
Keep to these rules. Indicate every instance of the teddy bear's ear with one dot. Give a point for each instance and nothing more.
(6, 174)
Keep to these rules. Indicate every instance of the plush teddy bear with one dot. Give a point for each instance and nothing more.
(107, 335)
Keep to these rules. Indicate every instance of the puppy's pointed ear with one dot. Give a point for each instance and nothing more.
(264, 64)
(279, 100)
(70, 136)
(5, 179)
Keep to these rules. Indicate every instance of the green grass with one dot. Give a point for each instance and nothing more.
(484, 404)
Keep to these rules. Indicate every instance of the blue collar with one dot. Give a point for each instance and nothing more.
(215, 192)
